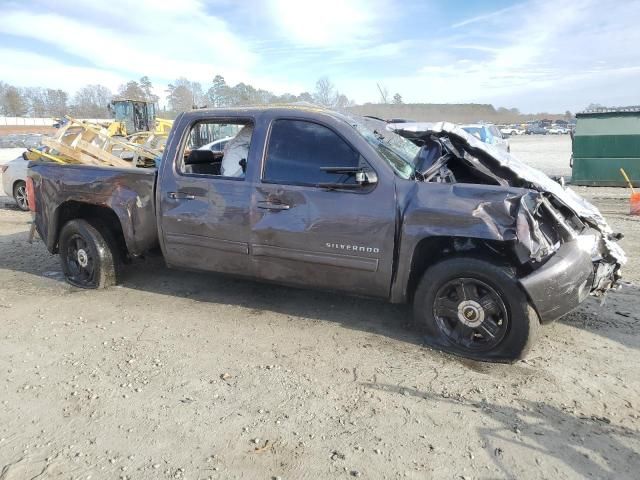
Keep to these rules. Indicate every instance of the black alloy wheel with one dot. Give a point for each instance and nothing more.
(80, 261)
(88, 255)
(471, 314)
(475, 308)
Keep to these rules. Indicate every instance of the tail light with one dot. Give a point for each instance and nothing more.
(31, 195)
(3, 168)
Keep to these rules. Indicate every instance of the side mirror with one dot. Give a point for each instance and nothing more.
(366, 178)
(362, 178)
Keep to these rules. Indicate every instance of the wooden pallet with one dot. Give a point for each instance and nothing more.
(90, 144)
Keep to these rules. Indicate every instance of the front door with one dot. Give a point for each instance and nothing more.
(312, 235)
(204, 214)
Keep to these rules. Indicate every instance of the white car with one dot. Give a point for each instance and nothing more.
(217, 146)
(14, 181)
(511, 131)
(558, 130)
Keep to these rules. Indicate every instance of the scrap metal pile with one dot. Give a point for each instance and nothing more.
(90, 143)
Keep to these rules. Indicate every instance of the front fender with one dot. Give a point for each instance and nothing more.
(433, 210)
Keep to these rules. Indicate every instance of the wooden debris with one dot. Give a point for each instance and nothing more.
(89, 143)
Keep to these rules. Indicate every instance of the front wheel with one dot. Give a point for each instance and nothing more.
(475, 309)
(20, 195)
(88, 259)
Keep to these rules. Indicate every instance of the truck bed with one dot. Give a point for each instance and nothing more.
(129, 192)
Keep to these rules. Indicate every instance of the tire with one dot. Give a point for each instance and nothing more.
(475, 309)
(88, 256)
(20, 195)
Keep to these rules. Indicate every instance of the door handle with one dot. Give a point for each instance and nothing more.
(273, 206)
(180, 196)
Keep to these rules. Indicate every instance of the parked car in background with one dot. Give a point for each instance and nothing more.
(558, 130)
(217, 146)
(534, 129)
(512, 130)
(488, 134)
(14, 178)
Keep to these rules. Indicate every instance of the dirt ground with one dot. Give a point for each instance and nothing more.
(190, 375)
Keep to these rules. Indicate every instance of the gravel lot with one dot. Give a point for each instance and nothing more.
(189, 375)
(549, 153)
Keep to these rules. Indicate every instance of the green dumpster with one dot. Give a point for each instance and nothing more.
(606, 140)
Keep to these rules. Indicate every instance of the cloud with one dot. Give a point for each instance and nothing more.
(161, 39)
(484, 17)
(538, 55)
(35, 70)
(325, 23)
(514, 56)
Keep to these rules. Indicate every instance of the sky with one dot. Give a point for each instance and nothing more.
(538, 56)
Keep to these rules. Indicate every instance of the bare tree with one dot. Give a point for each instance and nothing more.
(384, 93)
(57, 102)
(13, 102)
(36, 99)
(184, 95)
(325, 93)
(92, 102)
(341, 101)
(397, 99)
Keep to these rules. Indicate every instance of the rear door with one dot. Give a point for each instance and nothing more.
(307, 234)
(204, 215)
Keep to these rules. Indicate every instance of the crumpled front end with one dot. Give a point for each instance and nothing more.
(569, 248)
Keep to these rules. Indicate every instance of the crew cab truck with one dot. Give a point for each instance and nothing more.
(318, 199)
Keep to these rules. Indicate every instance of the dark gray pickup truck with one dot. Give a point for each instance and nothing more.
(485, 247)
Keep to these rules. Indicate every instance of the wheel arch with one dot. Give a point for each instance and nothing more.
(431, 250)
(16, 181)
(101, 217)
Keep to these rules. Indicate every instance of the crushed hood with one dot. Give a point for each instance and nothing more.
(530, 177)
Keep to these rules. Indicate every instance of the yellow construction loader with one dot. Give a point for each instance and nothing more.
(135, 116)
(131, 116)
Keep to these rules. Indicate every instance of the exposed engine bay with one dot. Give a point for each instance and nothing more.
(548, 215)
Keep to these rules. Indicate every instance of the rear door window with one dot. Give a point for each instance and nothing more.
(218, 149)
(298, 150)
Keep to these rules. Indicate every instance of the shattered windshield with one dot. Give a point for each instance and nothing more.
(399, 152)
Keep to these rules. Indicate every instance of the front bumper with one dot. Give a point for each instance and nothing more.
(562, 283)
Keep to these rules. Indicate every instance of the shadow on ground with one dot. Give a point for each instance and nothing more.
(151, 275)
(617, 319)
(586, 445)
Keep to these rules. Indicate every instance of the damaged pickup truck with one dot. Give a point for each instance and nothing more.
(484, 247)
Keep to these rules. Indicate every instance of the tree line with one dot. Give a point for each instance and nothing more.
(92, 101)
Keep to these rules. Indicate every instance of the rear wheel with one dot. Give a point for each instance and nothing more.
(20, 195)
(88, 259)
(475, 309)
